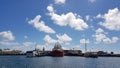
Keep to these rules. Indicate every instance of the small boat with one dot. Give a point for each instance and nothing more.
(91, 55)
(31, 53)
(57, 51)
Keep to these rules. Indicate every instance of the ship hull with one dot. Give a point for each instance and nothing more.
(57, 53)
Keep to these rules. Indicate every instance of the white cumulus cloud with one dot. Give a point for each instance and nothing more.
(9, 43)
(60, 38)
(112, 19)
(7, 35)
(7, 38)
(49, 40)
(115, 39)
(50, 8)
(28, 44)
(64, 38)
(60, 1)
(92, 1)
(25, 36)
(87, 17)
(69, 19)
(99, 31)
(40, 25)
(100, 36)
(83, 41)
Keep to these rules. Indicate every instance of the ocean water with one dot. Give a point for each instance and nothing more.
(58, 62)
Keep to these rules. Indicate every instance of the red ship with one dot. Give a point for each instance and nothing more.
(57, 51)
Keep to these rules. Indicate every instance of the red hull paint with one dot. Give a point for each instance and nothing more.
(57, 53)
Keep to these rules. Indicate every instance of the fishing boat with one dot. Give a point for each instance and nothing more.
(31, 53)
(57, 51)
(89, 54)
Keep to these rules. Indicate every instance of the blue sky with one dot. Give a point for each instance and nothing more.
(28, 24)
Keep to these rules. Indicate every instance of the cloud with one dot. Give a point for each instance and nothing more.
(28, 43)
(46, 47)
(25, 36)
(92, 1)
(50, 8)
(49, 40)
(23, 48)
(74, 47)
(60, 1)
(60, 38)
(100, 36)
(111, 19)
(40, 46)
(69, 19)
(40, 25)
(7, 35)
(7, 38)
(64, 38)
(99, 31)
(115, 39)
(83, 41)
(9, 43)
(88, 18)
(112, 40)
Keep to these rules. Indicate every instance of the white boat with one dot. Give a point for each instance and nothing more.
(31, 53)
(91, 54)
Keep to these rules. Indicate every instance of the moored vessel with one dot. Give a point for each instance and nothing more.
(31, 53)
(91, 55)
(57, 51)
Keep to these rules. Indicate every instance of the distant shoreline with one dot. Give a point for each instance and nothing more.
(11, 54)
(114, 55)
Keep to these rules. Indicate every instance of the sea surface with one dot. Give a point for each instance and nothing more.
(58, 62)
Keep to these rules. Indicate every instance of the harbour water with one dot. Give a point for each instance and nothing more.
(58, 62)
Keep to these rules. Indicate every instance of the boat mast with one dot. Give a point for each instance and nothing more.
(35, 46)
(85, 46)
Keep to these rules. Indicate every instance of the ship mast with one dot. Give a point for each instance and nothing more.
(85, 46)
(35, 46)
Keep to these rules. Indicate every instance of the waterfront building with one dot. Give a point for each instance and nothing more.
(73, 52)
(10, 52)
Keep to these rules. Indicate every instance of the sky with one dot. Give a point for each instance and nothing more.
(29, 24)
